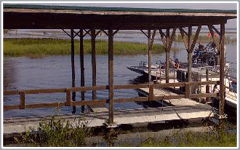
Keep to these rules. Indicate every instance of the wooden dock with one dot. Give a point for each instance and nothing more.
(180, 102)
(179, 109)
(133, 116)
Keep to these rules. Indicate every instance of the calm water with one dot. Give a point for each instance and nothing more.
(55, 72)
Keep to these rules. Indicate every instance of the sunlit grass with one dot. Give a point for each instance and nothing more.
(42, 47)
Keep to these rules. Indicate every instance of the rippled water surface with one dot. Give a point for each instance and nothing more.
(55, 72)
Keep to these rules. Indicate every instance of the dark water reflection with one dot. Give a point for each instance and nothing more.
(55, 72)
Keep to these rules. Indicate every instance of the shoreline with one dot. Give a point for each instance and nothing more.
(44, 47)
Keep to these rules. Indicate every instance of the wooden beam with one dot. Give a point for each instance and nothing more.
(68, 97)
(115, 31)
(222, 74)
(149, 56)
(73, 69)
(22, 98)
(66, 33)
(110, 75)
(105, 32)
(167, 69)
(189, 54)
(86, 32)
(215, 29)
(183, 33)
(195, 38)
(144, 33)
(94, 64)
(210, 27)
(207, 86)
(172, 39)
(82, 67)
(150, 47)
(163, 38)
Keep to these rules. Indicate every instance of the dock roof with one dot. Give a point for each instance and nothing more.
(63, 17)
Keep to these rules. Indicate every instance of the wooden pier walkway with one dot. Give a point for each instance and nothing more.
(180, 109)
(95, 119)
(180, 102)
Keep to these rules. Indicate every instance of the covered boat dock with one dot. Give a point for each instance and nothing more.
(93, 20)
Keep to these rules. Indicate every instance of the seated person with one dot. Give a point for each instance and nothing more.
(199, 51)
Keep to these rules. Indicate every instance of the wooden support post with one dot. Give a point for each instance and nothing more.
(167, 69)
(189, 58)
(73, 70)
(68, 97)
(167, 56)
(22, 98)
(151, 92)
(189, 55)
(110, 75)
(222, 73)
(82, 67)
(167, 42)
(150, 45)
(149, 57)
(207, 86)
(94, 72)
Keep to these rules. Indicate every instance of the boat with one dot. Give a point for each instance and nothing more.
(208, 60)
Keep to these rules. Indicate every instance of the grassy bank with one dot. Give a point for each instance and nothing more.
(194, 139)
(56, 133)
(42, 47)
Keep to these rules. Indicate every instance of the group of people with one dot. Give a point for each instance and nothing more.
(201, 49)
(197, 54)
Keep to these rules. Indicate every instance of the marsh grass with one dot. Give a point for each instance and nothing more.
(58, 133)
(194, 139)
(55, 133)
(206, 39)
(37, 48)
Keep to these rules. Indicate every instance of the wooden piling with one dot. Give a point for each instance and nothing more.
(222, 73)
(110, 75)
(73, 69)
(94, 68)
(68, 97)
(189, 55)
(149, 56)
(207, 86)
(82, 67)
(150, 45)
(22, 98)
(167, 69)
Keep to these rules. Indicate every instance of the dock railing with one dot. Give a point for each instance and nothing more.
(69, 102)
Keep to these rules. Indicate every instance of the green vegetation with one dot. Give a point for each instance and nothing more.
(59, 134)
(55, 134)
(42, 47)
(206, 39)
(193, 139)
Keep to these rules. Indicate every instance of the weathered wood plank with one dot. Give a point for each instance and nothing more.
(203, 95)
(60, 104)
(10, 92)
(130, 86)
